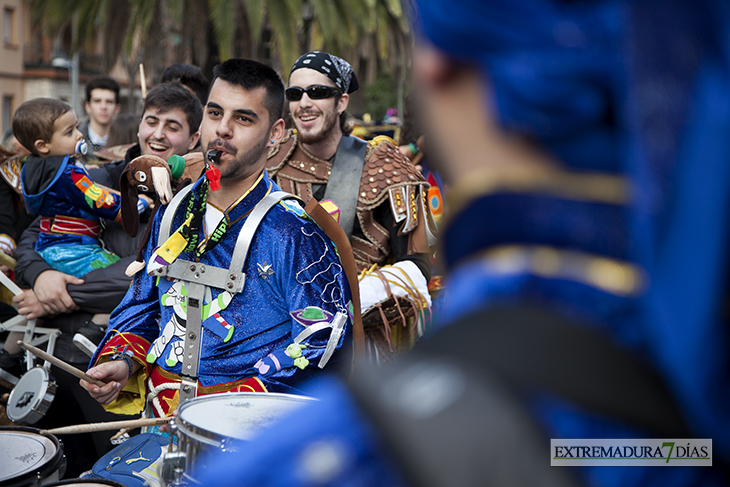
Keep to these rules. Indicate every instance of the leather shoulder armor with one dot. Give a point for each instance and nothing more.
(10, 170)
(294, 169)
(279, 154)
(386, 168)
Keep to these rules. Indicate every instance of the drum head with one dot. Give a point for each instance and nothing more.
(27, 454)
(27, 395)
(237, 415)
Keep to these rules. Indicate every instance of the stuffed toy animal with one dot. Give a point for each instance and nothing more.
(152, 176)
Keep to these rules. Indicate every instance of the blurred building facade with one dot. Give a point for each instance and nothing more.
(11, 58)
(33, 65)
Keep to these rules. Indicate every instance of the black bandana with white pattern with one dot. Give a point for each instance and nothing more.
(335, 68)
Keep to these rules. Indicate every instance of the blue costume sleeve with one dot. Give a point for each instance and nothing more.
(291, 450)
(139, 310)
(310, 278)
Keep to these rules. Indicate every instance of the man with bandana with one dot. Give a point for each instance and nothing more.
(376, 194)
(268, 325)
(587, 253)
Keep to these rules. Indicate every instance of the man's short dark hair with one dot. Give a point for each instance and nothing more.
(190, 76)
(251, 75)
(102, 83)
(34, 119)
(168, 96)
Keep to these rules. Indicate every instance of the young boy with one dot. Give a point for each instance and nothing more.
(60, 190)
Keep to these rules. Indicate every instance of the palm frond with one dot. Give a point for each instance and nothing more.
(395, 8)
(285, 18)
(326, 19)
(224, 25)
(87, 19)
(256, 15)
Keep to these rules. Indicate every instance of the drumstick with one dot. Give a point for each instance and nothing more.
(119, 433)
(109, 425)
(60, 364)
(7, 261)
(142, 82)
(5, 280)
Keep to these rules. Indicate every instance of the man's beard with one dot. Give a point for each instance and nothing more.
(329, 119)
(241, 165)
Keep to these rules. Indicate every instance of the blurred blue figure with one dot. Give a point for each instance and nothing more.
(587, 149)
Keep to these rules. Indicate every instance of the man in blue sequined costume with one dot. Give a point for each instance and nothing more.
(587, 146)
(294, 278)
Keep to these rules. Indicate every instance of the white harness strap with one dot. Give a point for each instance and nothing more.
(198, 277)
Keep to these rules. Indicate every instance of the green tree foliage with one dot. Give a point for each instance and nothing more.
(381, 95)
(374, 35)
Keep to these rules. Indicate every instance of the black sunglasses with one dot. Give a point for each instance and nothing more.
(314, 92)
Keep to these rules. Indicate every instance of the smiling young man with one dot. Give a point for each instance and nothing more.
(376, 195)
(169, 125)
(257, 337)
(170, 121)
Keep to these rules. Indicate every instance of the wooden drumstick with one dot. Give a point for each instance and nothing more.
(7, 261)
(120, 433)
(109, 425)
(60, 364)
(142, 82)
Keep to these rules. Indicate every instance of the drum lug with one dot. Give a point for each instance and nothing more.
(173, 462)
(173, 467)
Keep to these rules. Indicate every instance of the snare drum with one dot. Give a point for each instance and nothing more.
(32, 396)
(220, 422)
(29, 457)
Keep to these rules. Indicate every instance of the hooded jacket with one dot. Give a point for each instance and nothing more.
(56, 187)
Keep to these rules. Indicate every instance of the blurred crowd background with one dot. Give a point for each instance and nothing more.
(51, 48)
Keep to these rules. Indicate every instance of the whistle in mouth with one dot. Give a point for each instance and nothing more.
(214, 155)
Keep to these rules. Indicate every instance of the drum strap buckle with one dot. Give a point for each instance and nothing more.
(188, 388)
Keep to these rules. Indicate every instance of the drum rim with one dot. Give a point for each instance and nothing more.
(187, 428)
(53, 465)
(48, 389)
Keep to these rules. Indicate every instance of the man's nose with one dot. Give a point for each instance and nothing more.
(305, 101)
(223, 130)
(159, 132)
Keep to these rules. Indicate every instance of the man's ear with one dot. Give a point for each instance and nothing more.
(194, 140)
(342, 104)
(41, 146)
(277, 132)
(87, 107)
(431, 66)
(118, 109)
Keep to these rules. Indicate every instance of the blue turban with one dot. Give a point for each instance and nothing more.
(640, 90)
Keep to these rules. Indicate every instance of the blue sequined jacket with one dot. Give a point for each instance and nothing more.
(294, 278)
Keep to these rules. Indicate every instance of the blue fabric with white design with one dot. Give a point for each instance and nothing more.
(305, 271)
(639, 90)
